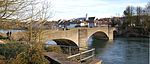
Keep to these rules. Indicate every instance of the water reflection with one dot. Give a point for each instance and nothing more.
(5, 31)
(122, 50)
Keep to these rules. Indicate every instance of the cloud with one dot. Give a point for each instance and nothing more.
(65, 9)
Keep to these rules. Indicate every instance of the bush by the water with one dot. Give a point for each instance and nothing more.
(10, 50)
(1, 37)
(20, 53)
(32, 56)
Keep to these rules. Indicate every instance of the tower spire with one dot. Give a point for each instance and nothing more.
(86, 16)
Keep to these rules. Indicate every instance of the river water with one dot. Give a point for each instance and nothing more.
(5, 31)
(122, 50)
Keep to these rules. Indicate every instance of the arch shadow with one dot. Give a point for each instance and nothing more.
(67, 46)
(66, 42)
(99, 39)
(99, 35)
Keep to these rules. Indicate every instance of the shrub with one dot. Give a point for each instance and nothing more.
(20, 53)
(56, 49)
(10, 50)
(32, 56)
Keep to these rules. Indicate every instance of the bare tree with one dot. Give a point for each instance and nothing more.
(10, 8)
(26, 10)
(35, 14)
(138, 16)
(37, 18)
(129, 15)
(147, 17)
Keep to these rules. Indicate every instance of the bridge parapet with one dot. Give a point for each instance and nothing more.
(67, 34)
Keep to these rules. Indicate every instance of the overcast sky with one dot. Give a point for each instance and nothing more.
(67, 9)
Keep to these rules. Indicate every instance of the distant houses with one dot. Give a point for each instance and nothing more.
(90, 22)
(63, 24)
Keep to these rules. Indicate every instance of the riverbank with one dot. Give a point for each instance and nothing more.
(132, 36)
(132, 32)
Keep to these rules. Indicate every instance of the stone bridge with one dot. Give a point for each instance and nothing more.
(76, 36)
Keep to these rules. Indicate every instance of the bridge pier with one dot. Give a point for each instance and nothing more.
(82, 37)
(110, 33)
(111, 37)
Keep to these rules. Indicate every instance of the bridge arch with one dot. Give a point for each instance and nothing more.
(66, 42)
(98, 33)
(67, 46)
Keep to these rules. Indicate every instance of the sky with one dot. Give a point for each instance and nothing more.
(68, 9)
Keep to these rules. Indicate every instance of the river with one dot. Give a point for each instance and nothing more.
(122, 50)
(5, 31)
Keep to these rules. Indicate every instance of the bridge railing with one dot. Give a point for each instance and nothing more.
(75, 53)
(83, 56)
